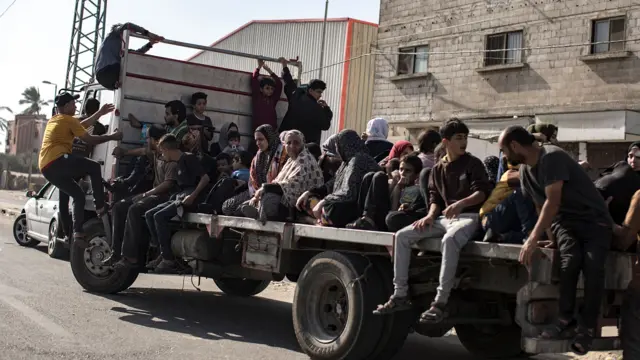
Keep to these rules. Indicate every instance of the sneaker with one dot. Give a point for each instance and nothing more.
(124, 264)
(154, 263)
(167, 267)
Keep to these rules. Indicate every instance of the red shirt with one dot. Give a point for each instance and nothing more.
(264, 108)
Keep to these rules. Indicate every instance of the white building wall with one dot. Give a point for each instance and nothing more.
(291, 40)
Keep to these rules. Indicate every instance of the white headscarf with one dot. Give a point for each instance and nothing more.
(377, 129)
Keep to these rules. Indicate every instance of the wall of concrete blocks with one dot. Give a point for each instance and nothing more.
(555, 78)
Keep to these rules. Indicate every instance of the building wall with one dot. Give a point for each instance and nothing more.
(554, 78)
(25, 133)
(291, 40)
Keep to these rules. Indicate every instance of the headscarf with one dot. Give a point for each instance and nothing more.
(266, 164)
(377, 129)
(491, 164)
(398, 148)
(298, 176)
(224, 133)
(329, 146)
(635, 144)
(356, 163)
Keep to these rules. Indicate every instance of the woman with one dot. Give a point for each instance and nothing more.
(377, 133)
(217, 147)
(301, 172)
(491, 164)
(427, 142)
(329, 146)
(265, 167)
(339, 205)
(399, 149)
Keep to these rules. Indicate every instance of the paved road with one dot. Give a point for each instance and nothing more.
(12, 199)
(46, 315)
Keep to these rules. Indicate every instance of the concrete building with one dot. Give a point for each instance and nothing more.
(499, 62)
(348, 67)
(25, 133)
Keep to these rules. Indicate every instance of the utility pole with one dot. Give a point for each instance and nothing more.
(324, 36)
(87, 34)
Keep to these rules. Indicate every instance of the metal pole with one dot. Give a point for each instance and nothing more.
(324, 36)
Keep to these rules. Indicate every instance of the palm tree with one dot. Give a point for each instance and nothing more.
(31, 96)
(3, 121)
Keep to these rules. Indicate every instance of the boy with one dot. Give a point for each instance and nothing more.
(241, 164)
(265, 95)
(458, 186)
(199, 103)
(406, 190)
(192, 180)
(223, 165)
(233, 146)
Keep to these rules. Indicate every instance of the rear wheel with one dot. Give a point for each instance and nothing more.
(55, 248)
(87, 266)
(241, 287)
(20, 232)
(333, 307)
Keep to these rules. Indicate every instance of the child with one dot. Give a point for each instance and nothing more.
(406, 190)
(223, 164)
(241, 164)
(233, 141)
(199, 103)
(266, 92)
(391, 168)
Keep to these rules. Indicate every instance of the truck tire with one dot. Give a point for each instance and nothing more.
(20, 232)
(88, 270)
(55, 248)
(333, 307)
(241, 287)
(630, 325)
(491, 341)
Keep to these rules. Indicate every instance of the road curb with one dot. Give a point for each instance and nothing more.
(9, 211)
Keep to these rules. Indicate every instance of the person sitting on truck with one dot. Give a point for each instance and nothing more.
(458, 186)
(194, 173)
(266, 165)
(427, 142)
(376, 142)
(339, 197)
(60, 167)
(378, 196)
(233, 141)
(330, 146)
(306, 111)
(491, 165)
(241, 164)
(107, 65)
(265, 94)
(398, 150)
(199, 104)
(575, 211)
(274, 200)
(223, 140)
(175, 115)
(128, 214)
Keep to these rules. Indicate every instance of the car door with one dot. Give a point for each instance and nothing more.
(41, 227)
(48, 208)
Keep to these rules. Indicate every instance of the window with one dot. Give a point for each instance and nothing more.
(54, 195)
(504, 48)
(606, 30)
(413, 60)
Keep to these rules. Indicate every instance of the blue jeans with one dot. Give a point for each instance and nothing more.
(158, 222)
(513, 218)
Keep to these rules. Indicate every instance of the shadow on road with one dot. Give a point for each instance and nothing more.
(210, 315)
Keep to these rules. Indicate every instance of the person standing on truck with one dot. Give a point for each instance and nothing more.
(60, 167)
(306, 112)
(575, 211)
(265, 94)
(458, 186)
(107, 65)
(199, 103)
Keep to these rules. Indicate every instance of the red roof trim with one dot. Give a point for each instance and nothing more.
(284, 21)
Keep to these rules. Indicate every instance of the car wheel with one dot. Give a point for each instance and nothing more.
(55, 248)
(20, 232)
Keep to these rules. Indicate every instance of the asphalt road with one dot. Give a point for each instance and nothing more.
(12, 199)
(45, 314)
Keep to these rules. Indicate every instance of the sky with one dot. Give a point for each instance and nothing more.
(37, 33)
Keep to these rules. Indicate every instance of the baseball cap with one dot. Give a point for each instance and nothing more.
(65, 98)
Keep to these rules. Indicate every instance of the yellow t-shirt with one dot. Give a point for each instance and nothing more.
(499, 193)
(58, 138)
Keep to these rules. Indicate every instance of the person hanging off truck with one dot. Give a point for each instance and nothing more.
(107, 65)
(60, 167)
(307, 112)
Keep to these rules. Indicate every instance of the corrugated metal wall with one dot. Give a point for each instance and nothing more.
(292, 39)
(359, 90)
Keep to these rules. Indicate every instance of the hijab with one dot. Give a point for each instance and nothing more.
(298, 176)
(223, 140)
(396, 151)
(377, 129)
(330, 146)
(491, 165)
(266, 164)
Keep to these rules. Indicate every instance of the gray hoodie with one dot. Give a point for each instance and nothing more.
(109, 52)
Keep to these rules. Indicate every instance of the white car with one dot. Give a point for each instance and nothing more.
(39, 223)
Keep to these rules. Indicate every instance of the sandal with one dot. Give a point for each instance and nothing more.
(582, 342)
(363, 223)
(434, 315)
(394, 304)
(559, 330)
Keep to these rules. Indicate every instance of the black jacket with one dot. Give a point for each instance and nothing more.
(304, 113)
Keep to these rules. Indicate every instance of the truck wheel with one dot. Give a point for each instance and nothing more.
(630, 325)
(56, 249)
(333, 307)
(87, 266)
(491, 341)
(241, 287)
(20, 232)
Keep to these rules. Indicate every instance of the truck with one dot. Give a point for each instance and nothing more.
(497, 309)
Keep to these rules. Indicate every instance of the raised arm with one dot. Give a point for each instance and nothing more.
(91, 120)
(277, 92)
(289, 85)
(255, 79)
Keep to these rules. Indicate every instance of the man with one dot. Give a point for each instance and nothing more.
(107, 65)
(60, 167)
(458, 186)
(306, 112)
(575, 211)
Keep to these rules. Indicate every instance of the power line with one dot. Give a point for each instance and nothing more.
(7, 9)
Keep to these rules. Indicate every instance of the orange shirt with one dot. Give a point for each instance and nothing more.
(58, 138)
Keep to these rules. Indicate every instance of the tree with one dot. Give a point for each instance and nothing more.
(31, 96)
(3, 121)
